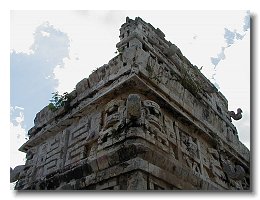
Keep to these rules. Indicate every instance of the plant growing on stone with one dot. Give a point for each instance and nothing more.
(59, 101)
(161, 72)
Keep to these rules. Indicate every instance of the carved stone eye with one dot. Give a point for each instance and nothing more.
(113, 109)
(153, 108)
(154, 112)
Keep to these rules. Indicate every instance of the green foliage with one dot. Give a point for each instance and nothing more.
(59, 101)
(190, 82)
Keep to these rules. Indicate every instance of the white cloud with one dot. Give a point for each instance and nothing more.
(220, 56)
(17, 107)
(69, 75)
(45, 34)
(231, 37)
(17, 137)
(20, 118)
(233, 76)
(24, 24)
(93, 43)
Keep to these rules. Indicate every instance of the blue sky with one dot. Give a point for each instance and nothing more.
(53, 50)
(32, 77)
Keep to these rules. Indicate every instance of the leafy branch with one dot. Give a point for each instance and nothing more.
(59, 101)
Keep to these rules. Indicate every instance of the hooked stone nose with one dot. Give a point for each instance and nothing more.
(133, 106)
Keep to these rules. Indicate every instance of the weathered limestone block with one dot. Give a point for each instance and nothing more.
(244, 151)
(105, 139)
(172, 50)
(42, 154)
(215, 168)
(109, 185)
(31, 156)
(78, 134)
(133, 107)
(141, 57)
(137, 181)
(93, 79)
(75, 154)
(52, 164)
(43, 116)
(177, 91)
(135, 131)
(173, 151)
(217, 124)
(192, 164)
(230, 135)
(102, 71)
(129, 56)
(170, 129)
(152, 39)
(235, 172)
(188, 101)
(135, 43)
(160, 33)
(102, 162)
(163, 143)
(114, 65)
(113, 158)
(15, 173)
(153, 116)
(82, 86)
(188, 144)
(113, 113)
(150, 136)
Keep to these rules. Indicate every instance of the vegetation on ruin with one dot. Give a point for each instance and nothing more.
(187, 80)
(158, 76)
(59, 101)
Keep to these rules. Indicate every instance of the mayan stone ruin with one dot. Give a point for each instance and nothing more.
(147, 120)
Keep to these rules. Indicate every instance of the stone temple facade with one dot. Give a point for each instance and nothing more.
(147, 120)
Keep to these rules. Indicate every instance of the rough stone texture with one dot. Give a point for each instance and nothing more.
(147, 120)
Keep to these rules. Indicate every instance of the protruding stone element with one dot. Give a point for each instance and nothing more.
(171, 50)
(236, 116)
(160, 33)
(153, 116)
(137, 181)
(82, 85)
(113, 113)
(235, 172)
(133, 107)
(191, 146)
(192, 164)
(15, 173)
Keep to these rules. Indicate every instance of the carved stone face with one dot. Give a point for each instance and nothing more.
(153, 113)
(30, 154)
(113, 113)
